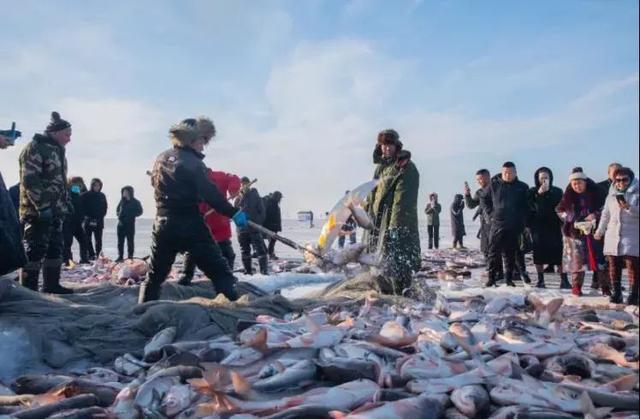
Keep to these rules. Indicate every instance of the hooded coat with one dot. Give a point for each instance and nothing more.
(94, 204)
(618, 226)
(219, 224)
(393, 207)
(128, 209)
(457, 218)
(251, 203)
(273, 215)
(544, 224)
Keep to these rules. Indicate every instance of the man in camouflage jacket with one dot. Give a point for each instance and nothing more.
(44, 201)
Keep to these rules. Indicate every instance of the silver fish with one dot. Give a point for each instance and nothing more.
(471, 400)
(164, 337)
(292, 376)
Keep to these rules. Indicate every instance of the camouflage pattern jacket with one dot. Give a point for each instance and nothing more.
(43, 178)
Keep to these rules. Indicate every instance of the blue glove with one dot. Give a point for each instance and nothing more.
(240, 219)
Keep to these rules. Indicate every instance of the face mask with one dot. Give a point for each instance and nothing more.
(75, 189)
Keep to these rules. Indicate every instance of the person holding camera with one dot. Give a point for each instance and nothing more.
(619, 228)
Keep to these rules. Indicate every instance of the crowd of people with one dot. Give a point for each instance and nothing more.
(588, 226)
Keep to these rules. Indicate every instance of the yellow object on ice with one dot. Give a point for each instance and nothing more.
(327, 228)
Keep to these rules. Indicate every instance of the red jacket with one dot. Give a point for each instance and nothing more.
(219, 225)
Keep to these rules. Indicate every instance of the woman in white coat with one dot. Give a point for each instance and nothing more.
(619, 228)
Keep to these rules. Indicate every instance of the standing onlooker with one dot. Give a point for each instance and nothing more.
(606, 185)
(581, 204)
(506, 202)
(44, 202)
(393, 207)
(272, 219)
(619, 227)
(483, 178)
(72, 226)
(10, 239)
(250, 202)
(457, 221)
(128, 210)
(219, 225)
(94, 204)
(545, 226)
(433, 210)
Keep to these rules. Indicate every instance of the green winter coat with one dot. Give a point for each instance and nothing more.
(433, 213)
(43, 178)
(393, 207)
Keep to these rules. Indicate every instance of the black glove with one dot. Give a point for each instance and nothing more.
(377, 154)
(45, 214)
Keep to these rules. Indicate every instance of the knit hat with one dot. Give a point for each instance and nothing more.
(11, 134)
(577, 174)
(57, 123)
(245, 179)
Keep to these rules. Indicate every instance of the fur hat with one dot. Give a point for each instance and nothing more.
(57, 123)
(188, 130)
(389, 135)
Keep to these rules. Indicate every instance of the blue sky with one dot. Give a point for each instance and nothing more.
(299, 89)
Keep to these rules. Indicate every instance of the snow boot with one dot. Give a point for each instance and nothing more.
(540, 283)
(263, 262)
(29, 278)
(246, 263)
(616, 295)
(51, 278)
(564, 282)
(576, 287)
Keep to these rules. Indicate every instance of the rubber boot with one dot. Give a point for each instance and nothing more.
(51, 280)
(564, 282)
(29, 278)
(149, 291)
(616, 295)
(576, 286)
(605, 285)
(509, 279)
(246, 263)
(540, 283)
(525, 277)
(263, 261)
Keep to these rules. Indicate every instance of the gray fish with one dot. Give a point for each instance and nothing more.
(421, 407)
(341, 370)
(164, 337)
(471, 400)
(292, 376)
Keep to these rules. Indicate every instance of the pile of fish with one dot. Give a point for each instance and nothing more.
(503, 356)
(450, 265)
(127, 273)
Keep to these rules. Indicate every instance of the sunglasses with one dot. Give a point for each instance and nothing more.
(622, 179)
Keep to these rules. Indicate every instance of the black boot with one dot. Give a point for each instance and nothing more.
(564, 282)
(227, 288)
(540, 283)
(149, 291)
(51, 280)
(525, 277)
(246, 263)
(509, 279)
(632, 300)
(616, 295)
(264, 265)
(29, 278)
(491, 282)
(595, 281)
(549, 269)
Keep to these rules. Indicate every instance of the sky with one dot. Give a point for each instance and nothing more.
(298, 90)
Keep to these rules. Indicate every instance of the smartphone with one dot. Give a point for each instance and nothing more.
(466, 184)
(620, 198)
